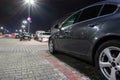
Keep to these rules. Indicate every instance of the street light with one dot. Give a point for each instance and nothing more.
(20, 30)
(24, 22)
(29, 3)
(1, 28)
(16, 30)
(23, 26)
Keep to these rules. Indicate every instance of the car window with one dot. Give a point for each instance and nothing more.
(46, 33)
(90, 12)
(108, 9)
(70, 21)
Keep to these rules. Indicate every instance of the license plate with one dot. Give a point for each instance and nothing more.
(26, 37)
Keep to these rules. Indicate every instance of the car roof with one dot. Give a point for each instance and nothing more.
(114, 2)
(108, 2)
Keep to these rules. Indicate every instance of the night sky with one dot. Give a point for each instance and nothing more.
(43, 15)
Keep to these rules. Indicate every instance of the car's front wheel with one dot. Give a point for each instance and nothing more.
(51, 47)
(107, 60)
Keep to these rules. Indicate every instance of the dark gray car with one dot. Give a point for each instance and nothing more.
(93, 34)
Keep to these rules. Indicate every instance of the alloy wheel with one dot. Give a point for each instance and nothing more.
(109, 63)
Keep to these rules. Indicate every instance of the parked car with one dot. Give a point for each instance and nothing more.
(44, 36)
(92, 34)
(17, 36)
(37, 34)
(7, 35)
(25, 36)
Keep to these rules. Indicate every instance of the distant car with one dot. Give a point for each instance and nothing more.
(7, 35)
(44, 36)
(17, 36)
(25, 36)
(92, 34)
(38, 34)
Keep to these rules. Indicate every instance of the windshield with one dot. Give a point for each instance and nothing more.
(46, 33)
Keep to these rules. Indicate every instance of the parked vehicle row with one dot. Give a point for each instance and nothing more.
(39, 35)
(92, 34)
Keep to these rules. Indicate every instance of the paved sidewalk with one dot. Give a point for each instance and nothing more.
(23, 61)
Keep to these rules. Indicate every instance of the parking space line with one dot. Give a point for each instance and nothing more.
(67, 72)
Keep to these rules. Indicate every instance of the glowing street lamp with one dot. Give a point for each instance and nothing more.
(20, 30)
(1, 28)
(23, 26)
(29, 3)
(16, 30)
(24, 22)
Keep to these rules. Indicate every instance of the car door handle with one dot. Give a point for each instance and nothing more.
(67, 32)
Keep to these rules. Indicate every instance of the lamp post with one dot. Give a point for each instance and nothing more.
(29, 3)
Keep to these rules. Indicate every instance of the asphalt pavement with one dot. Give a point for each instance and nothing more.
(30, 60)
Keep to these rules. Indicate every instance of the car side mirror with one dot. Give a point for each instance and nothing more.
(57, 27)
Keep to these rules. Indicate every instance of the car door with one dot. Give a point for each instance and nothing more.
(77, 36)
(62, 36)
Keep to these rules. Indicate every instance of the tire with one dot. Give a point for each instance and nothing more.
(51, 47)
(29, 39)
(20, 39)
(41, 40)
(107, 60)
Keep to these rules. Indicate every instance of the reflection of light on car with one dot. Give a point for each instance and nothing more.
(96, 38)
(96, 28)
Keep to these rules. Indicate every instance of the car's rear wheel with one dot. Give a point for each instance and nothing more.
(20, 39)
(107, 60)
(29, 39)
(51, 47)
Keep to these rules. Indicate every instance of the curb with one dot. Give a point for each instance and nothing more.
(67, 72)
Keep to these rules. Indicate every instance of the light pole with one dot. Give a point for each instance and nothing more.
(29, 3)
